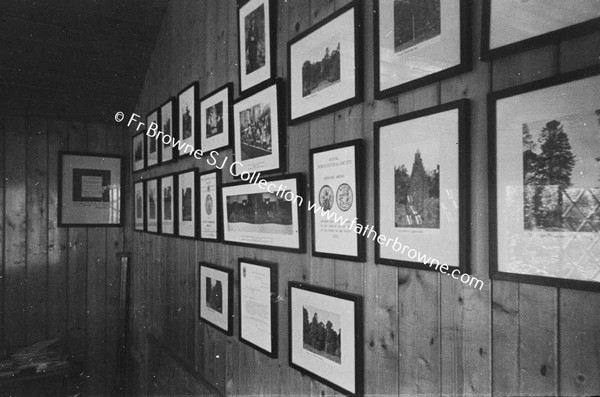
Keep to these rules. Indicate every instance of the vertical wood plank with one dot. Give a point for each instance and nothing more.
(2, 227)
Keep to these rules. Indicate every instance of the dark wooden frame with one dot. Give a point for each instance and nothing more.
(175, 198)
(218, 206)
(230, 276)
(358, 64)
(158, 212)
(465, 57)
(174, 128)
(463, 107)
(147, 140)
(61, 154)
(360, 205)
(274, 293)
(195, 203)
(143, 137)
(196, 112)
(143, 183)
(229, 109)
(358, 333)
(492, 99)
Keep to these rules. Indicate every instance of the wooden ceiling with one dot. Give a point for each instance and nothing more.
(75, 59)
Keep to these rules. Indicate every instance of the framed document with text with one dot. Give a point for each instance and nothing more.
(210, 205)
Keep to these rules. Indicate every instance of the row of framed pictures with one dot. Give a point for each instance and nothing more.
(325, 326)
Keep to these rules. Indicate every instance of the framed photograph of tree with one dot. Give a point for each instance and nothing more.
(187, 116)
(138, 152)
(544, 179)
(168, 125)
(215, 296)
(139, 215)
(152, 149)
(152, 206)
(168, 216)
(187, 203)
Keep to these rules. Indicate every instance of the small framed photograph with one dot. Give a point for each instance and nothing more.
(258, 305)
(187, 203)
(152, 149)
(418, 42)
(259, 131)
(336, 188)
(264, 213)
(167, 195)
(210, 205)
(138, 152)
(140, 217)
(90, 192)
(422, 188)
(187, 101)
(256, 20)
(215, 296)
(152, 206)
(326, 336)
(216, 119)
(168, 125)
(513, 26)
(545, 191)
(325, 65)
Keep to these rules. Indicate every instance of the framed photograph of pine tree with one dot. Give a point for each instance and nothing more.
(544, 179)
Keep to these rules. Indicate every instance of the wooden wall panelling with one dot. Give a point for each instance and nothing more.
(2, 228)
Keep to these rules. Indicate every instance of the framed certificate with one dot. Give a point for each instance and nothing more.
(215, 296)
(210, 205)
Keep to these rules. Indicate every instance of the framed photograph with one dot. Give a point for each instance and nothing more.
(422, 188)
(215, 296)
(90, 192)
(258, 305)
(168, 125)
(152, 206)
(516, 25)
(418, 42)
(325, 65)
(138, 152)
(152, 149)
(259, 131)
(168, 188)
(256, 20)
(210, 206)
(335, 180)
(216, 119)
(187, 203)
(264, 214)
(187, 101)
(545, 188)
(139, 216)
(326, 336)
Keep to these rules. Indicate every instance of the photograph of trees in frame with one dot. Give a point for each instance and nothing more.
(215, 296)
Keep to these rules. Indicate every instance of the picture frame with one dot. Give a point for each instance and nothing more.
(511, 27)
(320, 86)
(138, 152)
(216, 119)
(90, 190)
(422, 177)
(187, 203)
(245, 218)
(169, 126)
(152, 206)
(544, 194)
(257, 20)
(258, 305)
(336, 186)
(139, 209)
(338, 363)
(187, 116)
(152, 144)
(430, 40)
(215, 297)
(210, 205)
(168, 204)
(259, 131)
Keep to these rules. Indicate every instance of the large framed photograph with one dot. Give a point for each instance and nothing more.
(257, 20)
(152, 149)
(422, 188)
(216, 119)
(326, 336)
(138, 152)
(325, 65)
(152, 206)
(90, 192)
(210, 206)
(264, 214)
(168, 189)
(259, 131)
(187, 102)
(258, 292)
(336, 186)
(168, 125)
(418, 42)
(545, 191)
(187, 203)
(511, 26)
(215, 296)
(139, 216)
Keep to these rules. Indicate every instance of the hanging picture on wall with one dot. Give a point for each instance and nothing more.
(210, 205)
(256, 20)
(187, 206)
(258, 305)
(265, 213)
(545, 216)
(138, 152)
(422, 188)
(152, 149)
(516, 25)
(259, 131)
(418, 42)
(215, 296)
(187, 100)
(325, 65)
(168, 126)
(152, 206)
(167, 204)
(90, 191)
(139, 206)
(216, 119)
(326, 339)
(335, 188)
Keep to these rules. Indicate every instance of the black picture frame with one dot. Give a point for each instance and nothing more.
(463, 65)
(356, 370)
(149, 140)
(141, 138)
(554, 36)
(182, 120)
(353, 183)
(355, 7)
(148, 208)
(216, 205)
(174, 213)
(173, 133)
(229, 275)
(139, 200)
(181, 228)
(227, 114)
(274, 304)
